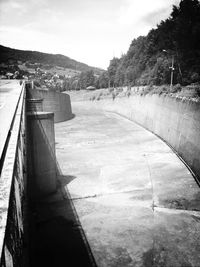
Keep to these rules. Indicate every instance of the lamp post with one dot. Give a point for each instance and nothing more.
(172, 69)
(172, 73)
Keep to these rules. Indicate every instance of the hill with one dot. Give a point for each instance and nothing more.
(43, 60)
(149, 58)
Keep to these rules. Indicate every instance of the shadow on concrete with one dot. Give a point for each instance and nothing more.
(56, 237)
(72, 116)
(65, 179)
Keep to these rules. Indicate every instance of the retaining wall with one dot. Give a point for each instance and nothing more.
(175, 120)
(13, 198)
(41, 158)
(55, 102)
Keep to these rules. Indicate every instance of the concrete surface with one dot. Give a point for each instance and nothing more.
(9, 95)
(175, 120)
(137, 202)
(55, 102)
(41, 154)
(57, 238)
(12, 183)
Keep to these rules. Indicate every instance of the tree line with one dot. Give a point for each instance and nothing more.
(86, 79)
(149, 58)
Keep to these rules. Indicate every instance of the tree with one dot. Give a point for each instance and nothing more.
(112, 69)
(86, 79)
(103, 80)
(145, 62)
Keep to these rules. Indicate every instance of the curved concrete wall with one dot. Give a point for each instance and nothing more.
(55, 102)
(175, 120)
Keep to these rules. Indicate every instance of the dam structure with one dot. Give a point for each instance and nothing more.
(109, 183)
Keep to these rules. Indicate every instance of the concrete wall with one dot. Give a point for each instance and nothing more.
(41, 155)
(37, 143)
(175, 120)
(13, 193)
(55, 102)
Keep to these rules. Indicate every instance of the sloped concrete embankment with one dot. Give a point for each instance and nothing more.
(175, 120)
(55, 102)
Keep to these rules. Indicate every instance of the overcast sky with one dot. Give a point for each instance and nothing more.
(90, 31)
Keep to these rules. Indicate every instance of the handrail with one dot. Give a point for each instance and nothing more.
(11, 185)
(9, 132)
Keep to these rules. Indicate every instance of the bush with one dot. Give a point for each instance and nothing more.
(92, 98)
(120, 89)
(113, 96)
(190, 91)
(110, 90)
(195, 88)
(195, 77)
(148, 89)
(164, 88)
(176, 88)
(128, 93)
(198, 90)
(160, 90)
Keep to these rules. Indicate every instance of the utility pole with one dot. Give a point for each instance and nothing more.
(172, 73)
(172, 69)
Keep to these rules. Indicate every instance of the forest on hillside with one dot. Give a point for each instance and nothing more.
(149, 58)
(12, 56)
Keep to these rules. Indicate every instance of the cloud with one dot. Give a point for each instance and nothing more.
(20, 12)
(134, 11)
(89, 31)
(95, 53)
(25, 39)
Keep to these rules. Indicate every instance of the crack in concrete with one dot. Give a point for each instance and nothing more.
(153, 206)
(176, 210)
(105, 194)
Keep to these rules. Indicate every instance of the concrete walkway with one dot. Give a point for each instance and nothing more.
(137, 202)
(9, 95)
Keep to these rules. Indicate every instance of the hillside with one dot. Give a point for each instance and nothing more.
(149, 58)
(47, 61)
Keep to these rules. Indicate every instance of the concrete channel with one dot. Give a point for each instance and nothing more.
(136, 201)
(96, 189)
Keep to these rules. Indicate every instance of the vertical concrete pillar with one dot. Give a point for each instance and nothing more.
(41, 154)
(35, 104)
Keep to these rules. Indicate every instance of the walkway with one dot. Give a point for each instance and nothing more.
(137, 202)
(9, 95)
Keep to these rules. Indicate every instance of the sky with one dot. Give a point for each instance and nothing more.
(90, 31)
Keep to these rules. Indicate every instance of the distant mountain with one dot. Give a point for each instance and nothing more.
(14, 55)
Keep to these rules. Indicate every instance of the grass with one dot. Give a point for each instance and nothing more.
(188, 92)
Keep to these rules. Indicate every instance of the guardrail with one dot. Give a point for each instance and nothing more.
(12, 189)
